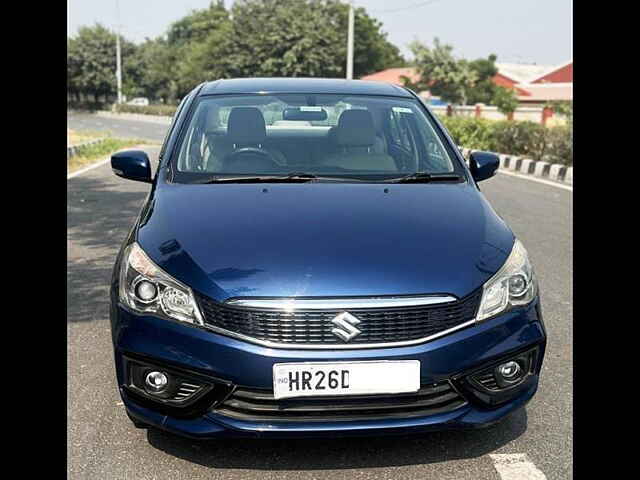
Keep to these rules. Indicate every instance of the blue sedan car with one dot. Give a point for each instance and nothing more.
(315, 258)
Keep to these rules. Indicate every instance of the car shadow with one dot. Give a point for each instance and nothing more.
(342, 453)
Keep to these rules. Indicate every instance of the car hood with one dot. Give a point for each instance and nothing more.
(324, 239)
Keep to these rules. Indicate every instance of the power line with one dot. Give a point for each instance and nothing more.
(421, 4)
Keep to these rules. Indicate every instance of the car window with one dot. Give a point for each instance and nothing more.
(172, 124)
(325, 135)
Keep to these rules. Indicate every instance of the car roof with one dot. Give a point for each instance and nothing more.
(302, 85)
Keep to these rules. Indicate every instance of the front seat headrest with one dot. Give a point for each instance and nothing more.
(246, 126)
(355, 129)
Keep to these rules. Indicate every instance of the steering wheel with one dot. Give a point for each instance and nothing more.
(266, 159)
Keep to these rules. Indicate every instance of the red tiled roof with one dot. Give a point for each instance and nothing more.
(506, 82)
(392, 75)
(561, 74)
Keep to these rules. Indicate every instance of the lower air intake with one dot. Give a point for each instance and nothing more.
(260, 405)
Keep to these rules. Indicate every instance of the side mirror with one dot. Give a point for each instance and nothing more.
(132, 164)
(483, 165)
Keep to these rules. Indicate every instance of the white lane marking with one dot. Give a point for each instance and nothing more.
(536, 179)
(516, 466)
(99, 163)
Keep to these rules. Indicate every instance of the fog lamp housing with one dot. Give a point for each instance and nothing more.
(171, 390)
(165, 385)
(502, 380)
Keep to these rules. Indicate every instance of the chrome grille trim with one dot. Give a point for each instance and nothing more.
(291, 304)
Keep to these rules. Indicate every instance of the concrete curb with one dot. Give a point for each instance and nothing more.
(556, 172)
(568, 176)
(526, 167)
(541, 169)
(514, 163)
(74, 150)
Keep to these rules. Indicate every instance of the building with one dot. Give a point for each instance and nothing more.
(393, 75)
(560, 74)
(534, 84)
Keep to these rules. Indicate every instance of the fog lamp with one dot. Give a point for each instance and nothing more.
(156, 381)
(510, 370)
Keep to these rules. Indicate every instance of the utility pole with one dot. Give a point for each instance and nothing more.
(118, 56)
(350, 43)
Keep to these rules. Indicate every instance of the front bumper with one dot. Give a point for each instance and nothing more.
(215, 356)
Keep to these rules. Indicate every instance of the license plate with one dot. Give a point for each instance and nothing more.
(345, 378)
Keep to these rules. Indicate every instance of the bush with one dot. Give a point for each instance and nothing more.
(560, 145)
(519, 138)
(469, 131)
(162, 110)
(529, 139)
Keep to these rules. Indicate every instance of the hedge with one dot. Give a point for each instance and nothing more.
(90, 106)
(162, 110)
(529, 139)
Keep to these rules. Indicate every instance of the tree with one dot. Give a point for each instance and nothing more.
(157, 62)
(261, 38)
(506, 100)
(484, 89)
(197, 25)
(91, 62)
(174, 64)
(303, 38)
(443, 74)
(198, 42)
(282, 38)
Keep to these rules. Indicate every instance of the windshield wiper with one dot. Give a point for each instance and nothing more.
(424, 177)
(291, 177)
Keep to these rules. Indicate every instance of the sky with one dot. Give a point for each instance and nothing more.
(519, 31)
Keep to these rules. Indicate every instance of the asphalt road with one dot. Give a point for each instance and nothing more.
(118, 127)
(102, 443)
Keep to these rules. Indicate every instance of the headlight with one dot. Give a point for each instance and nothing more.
(514, 284)
(145, 288)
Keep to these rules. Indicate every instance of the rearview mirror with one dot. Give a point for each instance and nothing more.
(132, 164)
(305, 113)
(483, 165)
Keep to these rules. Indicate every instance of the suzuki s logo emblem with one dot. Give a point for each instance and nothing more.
(345, 326)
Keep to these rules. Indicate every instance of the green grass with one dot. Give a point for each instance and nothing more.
(92, 153)
(75, 137)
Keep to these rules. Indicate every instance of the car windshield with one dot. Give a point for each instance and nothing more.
(329, 136)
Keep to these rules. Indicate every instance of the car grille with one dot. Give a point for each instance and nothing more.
(256, 405)
(311, 328)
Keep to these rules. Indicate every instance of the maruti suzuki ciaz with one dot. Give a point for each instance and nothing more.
(315, 258)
